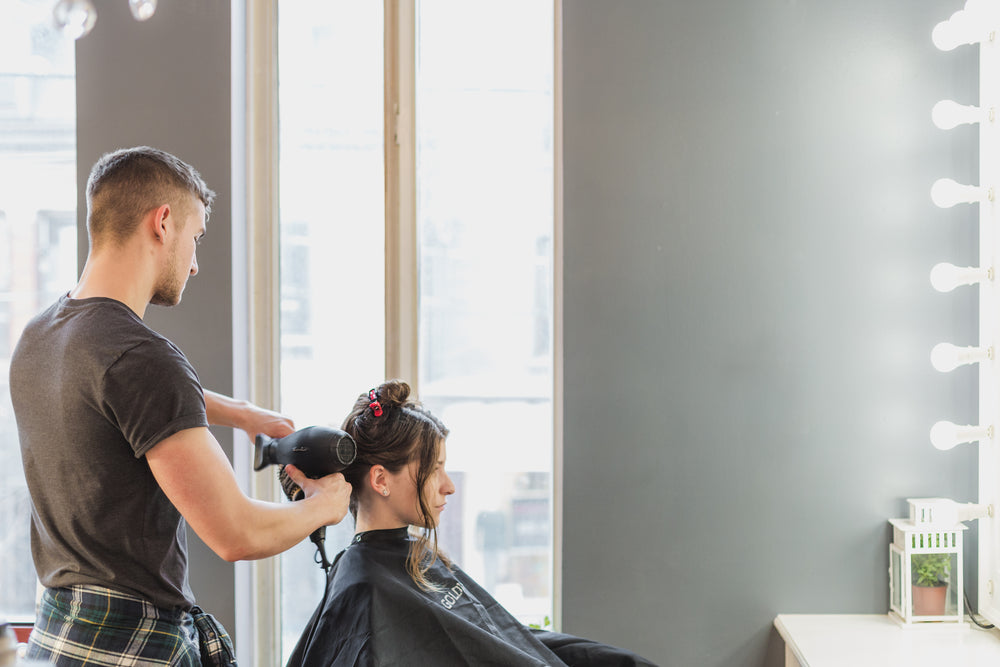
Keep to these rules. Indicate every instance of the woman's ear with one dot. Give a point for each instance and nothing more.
(377, 479)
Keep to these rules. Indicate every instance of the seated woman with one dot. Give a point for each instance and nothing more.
(395, 599)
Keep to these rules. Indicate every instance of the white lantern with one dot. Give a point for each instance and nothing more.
(925, 564)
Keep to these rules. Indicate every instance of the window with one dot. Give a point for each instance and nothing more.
(331, 231)
(484, 235)
(37, 239)
(481, 230)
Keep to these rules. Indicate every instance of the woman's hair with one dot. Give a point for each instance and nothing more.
(391, 430)
(125, 184)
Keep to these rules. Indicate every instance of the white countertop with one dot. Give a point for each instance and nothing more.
(836, 640)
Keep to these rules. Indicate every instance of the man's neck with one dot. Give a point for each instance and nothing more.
(115, 276)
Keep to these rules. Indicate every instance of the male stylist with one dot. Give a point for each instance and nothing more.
(113, 424)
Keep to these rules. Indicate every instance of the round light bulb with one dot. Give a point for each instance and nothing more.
(942, 36)
(960, 29)
(945, 193)
(142, 10)
(945, 277)
(74, 18)
(947, 114)
(946, 357)
(945, 435)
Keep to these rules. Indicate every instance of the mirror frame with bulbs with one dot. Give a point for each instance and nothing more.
(976, 24)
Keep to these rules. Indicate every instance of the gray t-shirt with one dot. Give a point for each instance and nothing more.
(93, 390)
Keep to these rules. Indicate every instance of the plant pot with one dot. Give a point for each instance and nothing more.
(929, 600)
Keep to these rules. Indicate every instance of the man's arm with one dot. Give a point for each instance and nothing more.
(195, 474)
(225, 411)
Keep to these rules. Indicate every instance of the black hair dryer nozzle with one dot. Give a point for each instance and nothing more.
(315, 450)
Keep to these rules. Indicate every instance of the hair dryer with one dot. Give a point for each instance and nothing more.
(315, 450)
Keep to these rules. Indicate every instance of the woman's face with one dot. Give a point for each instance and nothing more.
(403, 498)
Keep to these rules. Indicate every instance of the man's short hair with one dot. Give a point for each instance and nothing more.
(127, 183)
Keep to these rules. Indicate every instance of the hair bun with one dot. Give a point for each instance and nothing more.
(393, 393)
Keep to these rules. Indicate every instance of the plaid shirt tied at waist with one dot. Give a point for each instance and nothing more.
(92, 625)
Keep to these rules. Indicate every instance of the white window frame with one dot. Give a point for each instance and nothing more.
(258, 612)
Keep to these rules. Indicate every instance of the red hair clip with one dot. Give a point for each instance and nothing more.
(374, 405)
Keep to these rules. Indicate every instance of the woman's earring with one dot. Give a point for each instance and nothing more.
(385, 492)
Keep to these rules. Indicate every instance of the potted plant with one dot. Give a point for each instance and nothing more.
(930, 583)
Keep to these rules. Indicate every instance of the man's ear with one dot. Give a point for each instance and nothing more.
(157, 220)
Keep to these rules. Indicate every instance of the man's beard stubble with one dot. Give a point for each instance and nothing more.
(168, 290)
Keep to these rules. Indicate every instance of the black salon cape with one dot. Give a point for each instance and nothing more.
(374, 614)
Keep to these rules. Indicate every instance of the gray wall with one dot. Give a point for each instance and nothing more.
(748, 315)
(166, 83)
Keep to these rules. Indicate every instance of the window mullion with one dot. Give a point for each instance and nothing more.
(263, 301)
(401, 279)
